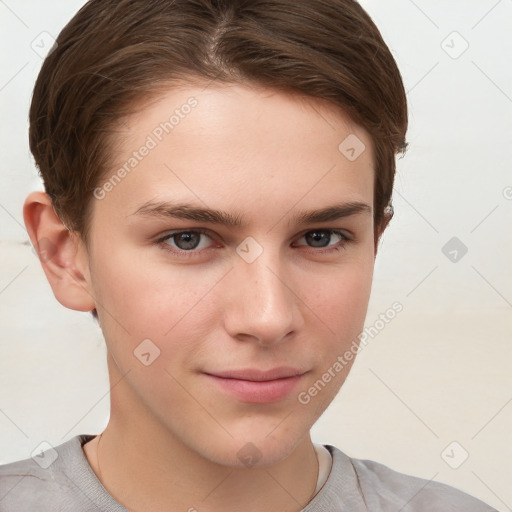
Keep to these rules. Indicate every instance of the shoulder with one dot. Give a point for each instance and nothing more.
(25, 485)
(48, 481)
(385, 489)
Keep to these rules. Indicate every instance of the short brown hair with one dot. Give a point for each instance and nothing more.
(114, 53)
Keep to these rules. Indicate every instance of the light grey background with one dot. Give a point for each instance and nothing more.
(437, 374)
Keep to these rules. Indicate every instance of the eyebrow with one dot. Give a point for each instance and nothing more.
(166, 210)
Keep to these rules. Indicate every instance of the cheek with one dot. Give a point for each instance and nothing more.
(340, 305)
(342, 298)
(144, 298)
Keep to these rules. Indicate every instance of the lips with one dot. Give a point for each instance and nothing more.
(255, 385)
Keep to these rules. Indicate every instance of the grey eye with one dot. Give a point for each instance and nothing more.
(187, 240)
(318, 238)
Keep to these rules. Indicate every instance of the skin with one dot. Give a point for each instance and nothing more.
(174, 436)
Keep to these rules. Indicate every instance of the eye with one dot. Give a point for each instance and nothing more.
(321, 238)
(185, 241)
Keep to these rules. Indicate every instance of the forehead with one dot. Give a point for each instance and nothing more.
(226, 143)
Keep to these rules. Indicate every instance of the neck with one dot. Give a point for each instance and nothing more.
(144, 476)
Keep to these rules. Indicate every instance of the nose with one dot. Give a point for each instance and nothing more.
(263, 305)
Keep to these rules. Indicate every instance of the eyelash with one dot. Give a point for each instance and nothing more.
(192, 253)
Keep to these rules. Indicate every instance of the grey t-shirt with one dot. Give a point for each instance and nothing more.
(67, 483)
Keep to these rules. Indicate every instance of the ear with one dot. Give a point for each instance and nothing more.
(62, 253)
(380, 228)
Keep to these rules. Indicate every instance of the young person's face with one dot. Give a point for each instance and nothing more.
(229, 307)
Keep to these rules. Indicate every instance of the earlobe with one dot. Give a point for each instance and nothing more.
(61, 253)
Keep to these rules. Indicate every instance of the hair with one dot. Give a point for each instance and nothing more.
(114, 54)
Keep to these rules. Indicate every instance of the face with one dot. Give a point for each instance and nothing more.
(231, 265)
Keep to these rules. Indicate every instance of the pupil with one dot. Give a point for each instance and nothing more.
(187, 240)
(318, 238)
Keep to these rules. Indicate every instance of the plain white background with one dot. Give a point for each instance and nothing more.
(433, 386)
